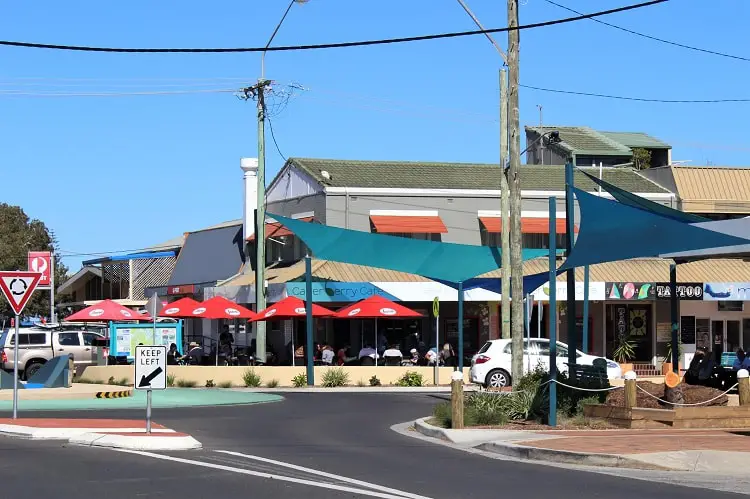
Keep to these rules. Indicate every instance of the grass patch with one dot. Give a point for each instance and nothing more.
(86, 381)
(273, 383)
(251, 379)
(186, 383)
(118, 382)
(361, 383)
(225, 384)
(171, 378)
(335, 377)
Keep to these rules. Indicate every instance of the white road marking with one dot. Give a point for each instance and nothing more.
(259, 474)
(340, 478)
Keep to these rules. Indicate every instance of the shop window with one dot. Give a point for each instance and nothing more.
(529, 241)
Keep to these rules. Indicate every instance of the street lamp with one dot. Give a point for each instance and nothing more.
(258, 90)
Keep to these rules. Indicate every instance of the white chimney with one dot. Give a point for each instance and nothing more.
(250, 167)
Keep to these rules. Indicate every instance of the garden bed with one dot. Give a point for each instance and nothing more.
(692, 394)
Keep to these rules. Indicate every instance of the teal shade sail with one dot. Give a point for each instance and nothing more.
(436, 260)
(630, 199)
(610, 231)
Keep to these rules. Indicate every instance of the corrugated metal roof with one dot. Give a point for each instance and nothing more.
(716, 270)
(713, 189)
(209, 256)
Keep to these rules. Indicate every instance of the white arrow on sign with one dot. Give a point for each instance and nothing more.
(18, 286)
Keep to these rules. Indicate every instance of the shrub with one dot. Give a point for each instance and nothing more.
(225, 384)
(272, 383)
(186, 383)
(86, 381)
(210, 383)
(111, 380)
(171, 379)
(335, 377)
(374, 381)
(410, 378)
(442, 414)
(251, 378)
(117, 382)
(299, 380)
(361, 382)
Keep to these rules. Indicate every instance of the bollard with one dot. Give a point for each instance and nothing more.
(630, 386)
(71, 371)
(457, 400)
(743, 379)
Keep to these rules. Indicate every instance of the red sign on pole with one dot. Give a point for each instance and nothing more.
(18, 286)
(41, 262)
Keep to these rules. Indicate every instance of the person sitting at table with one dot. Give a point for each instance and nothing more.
(741, 362)
(195, 354)
(173, 355)
(392, 356)
(326, 355)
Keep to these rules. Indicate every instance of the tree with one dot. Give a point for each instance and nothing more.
(641, 158)
(18, 235)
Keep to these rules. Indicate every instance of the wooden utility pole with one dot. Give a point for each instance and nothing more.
(514, 183)
(505, 213)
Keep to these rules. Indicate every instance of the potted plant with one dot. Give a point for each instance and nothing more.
(667, 364)
(624, 353)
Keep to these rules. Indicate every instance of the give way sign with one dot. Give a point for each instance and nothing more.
(18, 286)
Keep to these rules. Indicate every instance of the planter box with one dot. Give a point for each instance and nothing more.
(679, 417)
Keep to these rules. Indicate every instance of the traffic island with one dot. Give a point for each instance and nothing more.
(76, 391)
(111, 433)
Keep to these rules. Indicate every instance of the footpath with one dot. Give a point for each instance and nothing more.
(111, 433)
(715, 451)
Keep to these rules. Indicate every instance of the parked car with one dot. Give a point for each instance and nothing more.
(40, 344)
(491, 366)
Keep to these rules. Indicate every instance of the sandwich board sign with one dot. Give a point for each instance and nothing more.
(150, 367)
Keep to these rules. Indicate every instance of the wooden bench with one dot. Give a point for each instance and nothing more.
(589, 375)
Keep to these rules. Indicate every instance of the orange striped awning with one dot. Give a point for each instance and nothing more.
(390, 224)
(529, 225)
(275, 229)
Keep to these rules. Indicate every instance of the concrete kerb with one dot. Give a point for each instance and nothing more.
(508, 449)
(356, 389)
(140, 443)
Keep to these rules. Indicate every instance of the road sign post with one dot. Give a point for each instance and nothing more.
(436, 313)
(17, 287)
(150, 373)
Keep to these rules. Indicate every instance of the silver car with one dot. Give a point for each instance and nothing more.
(42, 343)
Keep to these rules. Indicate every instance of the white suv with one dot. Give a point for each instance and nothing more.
(491, 366)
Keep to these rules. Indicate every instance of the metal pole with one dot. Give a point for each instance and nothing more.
(514, 183)
(460, 327)
(539, 308)
(674, 307)
(376, 342)
(52, 315)
(552, 312)
(148, 411)
(15, 369)
(435, 373)
(505, 212)
(571, 274)
(526, 326)
(309, 320)
(585, 346)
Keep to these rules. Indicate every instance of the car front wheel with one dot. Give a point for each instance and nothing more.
(497, 378)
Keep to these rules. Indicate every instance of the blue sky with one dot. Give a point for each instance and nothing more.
(124, 172)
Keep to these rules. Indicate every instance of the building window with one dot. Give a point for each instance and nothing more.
(528, 241)
(417, 235)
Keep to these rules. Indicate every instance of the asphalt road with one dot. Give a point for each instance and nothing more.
(311, 446)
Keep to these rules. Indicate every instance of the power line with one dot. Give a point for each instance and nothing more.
(273, 136)
(363, 43)
(638, 99)
(22, 93)
(654, 38)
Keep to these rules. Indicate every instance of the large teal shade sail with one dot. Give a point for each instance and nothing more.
(630, 199)
(442, 261)
(610, 231)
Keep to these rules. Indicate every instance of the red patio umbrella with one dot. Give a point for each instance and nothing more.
(374, 307)
(219, 307)
(290, 308)
(107, 310)
(182, 308)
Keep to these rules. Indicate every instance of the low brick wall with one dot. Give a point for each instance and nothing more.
(283, 374)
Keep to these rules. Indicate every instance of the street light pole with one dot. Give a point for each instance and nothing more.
(258, 91)
(504, 194)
